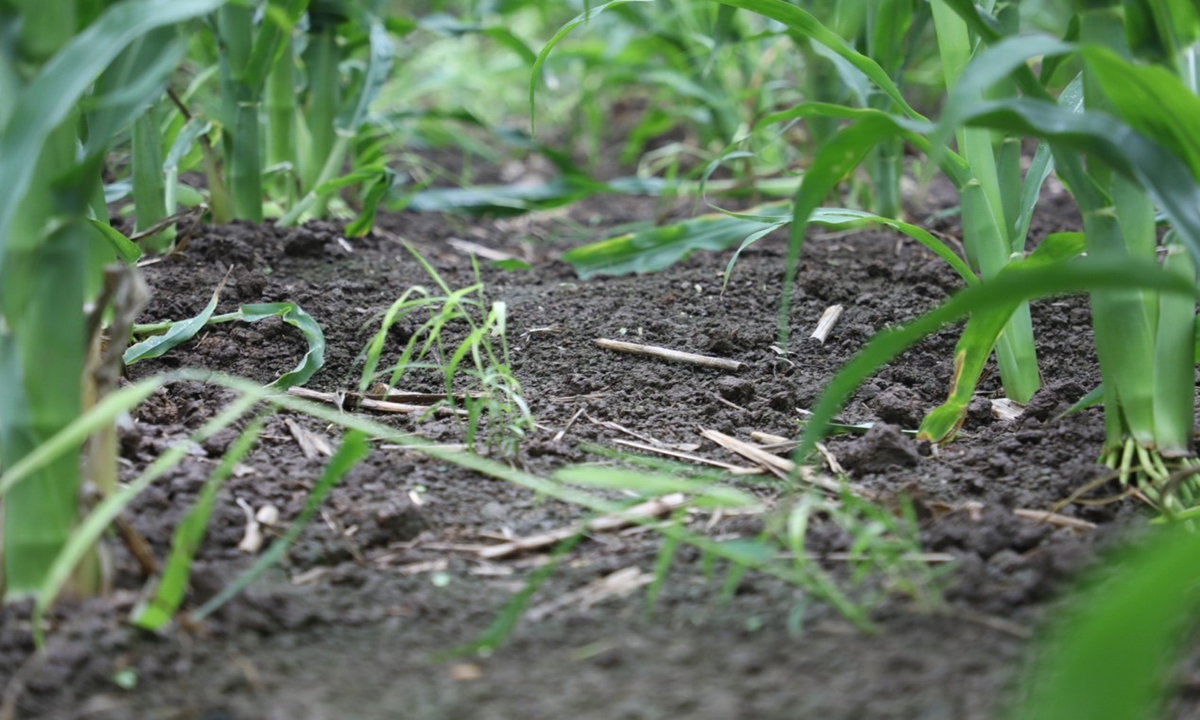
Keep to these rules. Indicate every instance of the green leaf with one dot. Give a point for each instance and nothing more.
(980, 338)
(1111, 655)
(123, 246)
(374, 193)
(805, 24)
(379, 66)
(172, 586)
(293, 315)
(45, 103)
(1006, 289)
(542, 56)
(98, 520)
(354, 448)
(179, 333)
(1166, 178)
(134, 79)
(655, 249)
(655, 485)
(1152, 101)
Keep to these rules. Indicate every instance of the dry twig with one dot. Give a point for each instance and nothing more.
(782, 467)
(1054, 519)
(735, 469)
(668, 354)
(652, 508)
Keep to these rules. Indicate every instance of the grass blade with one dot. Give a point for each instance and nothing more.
(354, 448)
(1112, 655)
(94, 525)
(172, 586)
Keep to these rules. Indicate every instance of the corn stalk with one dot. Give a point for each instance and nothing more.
(50, 255)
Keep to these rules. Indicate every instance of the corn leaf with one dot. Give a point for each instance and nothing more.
(372, 196)
(980, 337)
(1006, 289)
(135, 78)
(180, 332)
(1111, 655)
(294, 315)
(658, 248)
(1166, 178)
(121, 245)
(379, 65)
(1152, 101)
(45, 103)
(805, 24)
(542, 56)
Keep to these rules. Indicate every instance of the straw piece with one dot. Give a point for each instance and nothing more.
(1005, 409)
(668, 354)
(652, 508)
(825, 325)
(1054, 519)
(780, 466)
(735, 469)
(311, 444)
(566, 428)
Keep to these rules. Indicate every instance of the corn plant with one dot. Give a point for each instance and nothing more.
(72, 77)
(276, 109)
(1135, 131)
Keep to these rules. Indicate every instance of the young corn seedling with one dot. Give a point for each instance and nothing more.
(994, 220)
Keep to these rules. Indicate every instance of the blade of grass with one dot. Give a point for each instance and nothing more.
(157, 611)
(98, 520)
(354, 448)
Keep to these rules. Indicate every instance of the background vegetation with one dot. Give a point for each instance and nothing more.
(125, 126)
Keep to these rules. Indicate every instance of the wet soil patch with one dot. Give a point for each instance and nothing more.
(356, 621)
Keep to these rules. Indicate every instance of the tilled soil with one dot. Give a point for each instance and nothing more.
(358, 621)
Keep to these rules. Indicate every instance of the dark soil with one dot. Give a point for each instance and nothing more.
(380, 599)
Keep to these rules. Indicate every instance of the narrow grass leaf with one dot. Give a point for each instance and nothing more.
(506, 620)
(654, 485)
(812, 579)
(354, 448)
(172, 586)
(102, 414)
(97, 521)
